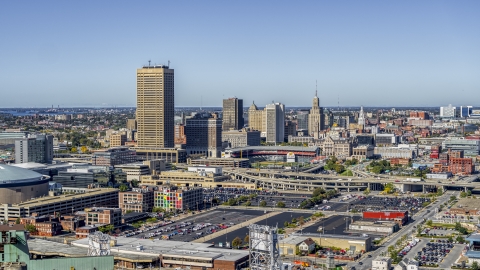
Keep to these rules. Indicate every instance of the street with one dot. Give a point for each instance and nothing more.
(406, 230)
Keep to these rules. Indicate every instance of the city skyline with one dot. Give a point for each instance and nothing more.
(360, 53)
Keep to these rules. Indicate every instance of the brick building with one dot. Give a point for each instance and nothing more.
(103, 215)
(137, 200)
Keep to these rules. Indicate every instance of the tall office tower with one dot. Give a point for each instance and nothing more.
(204, 135)
(232, 114)
(256, 118)
(316, 119)
(361, 118)
(36, 148)
(275, 122)
(155, 106)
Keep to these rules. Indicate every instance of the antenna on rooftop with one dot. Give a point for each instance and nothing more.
(149, 62)
(316, 89)
(169, 63)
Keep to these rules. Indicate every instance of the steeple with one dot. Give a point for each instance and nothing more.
(316, 88)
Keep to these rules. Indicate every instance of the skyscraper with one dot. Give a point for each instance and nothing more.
(275, 122)
(232, 114)
(155, 106)
(204, 135)
(316, 119)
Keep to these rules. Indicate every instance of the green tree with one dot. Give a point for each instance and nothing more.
(232, 202)
(17, 221)
(152, 220)
(281, 205)
(469, 192)
(301, 221)
(463, 194)
(389, 188)
(318, 191)
(158, 209)
(106, 229)
(246, 240)
(366, 192)
(429, 222)
(263, 203)
(30, 228)
(474, 266)
(460, 239)
(123, 188)
(236, 242)
(339, 168)
(248, 203)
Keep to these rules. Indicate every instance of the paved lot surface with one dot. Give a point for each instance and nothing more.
(214, 217)
(273, 221)
(332, 225)
(452, 257)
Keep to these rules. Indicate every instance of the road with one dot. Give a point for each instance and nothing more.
(406, 230)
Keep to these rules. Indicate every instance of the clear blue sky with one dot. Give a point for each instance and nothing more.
(372, 53)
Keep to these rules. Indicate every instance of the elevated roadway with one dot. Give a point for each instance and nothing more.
(308, 182)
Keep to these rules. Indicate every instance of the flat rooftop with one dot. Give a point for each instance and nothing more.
(51, 248)
(174, 248)
(467, 203)
(335, 236)
(63, 198)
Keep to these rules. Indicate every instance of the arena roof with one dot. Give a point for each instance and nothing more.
(9, 174)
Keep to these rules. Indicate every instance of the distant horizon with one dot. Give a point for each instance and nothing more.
(208, 107)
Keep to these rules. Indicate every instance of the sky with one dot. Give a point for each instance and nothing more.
(370, 53)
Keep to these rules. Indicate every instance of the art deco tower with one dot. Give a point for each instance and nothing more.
(316, 119)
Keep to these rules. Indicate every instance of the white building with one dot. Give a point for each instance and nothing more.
(382, 263)
(275, 122)
(448, 111)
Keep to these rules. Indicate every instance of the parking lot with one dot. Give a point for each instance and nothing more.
(332, 225)
(439, 253)
(270, 197)
(272, 221)
(199, 225)
(411, 204)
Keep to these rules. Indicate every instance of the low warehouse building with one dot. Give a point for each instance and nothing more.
(466, 206)
(374, 226)
(174, 254)
(359, 243)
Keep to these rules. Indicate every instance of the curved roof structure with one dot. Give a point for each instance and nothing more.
(11, 175)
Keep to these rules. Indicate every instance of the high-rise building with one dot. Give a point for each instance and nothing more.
(275, 122)
(361, 118)
(204, 135)
(155, 107)
(36, 148)
(316, 119)
(290, 129)
(448, 111)
(302, 120)
(232, 114)
(256, 118)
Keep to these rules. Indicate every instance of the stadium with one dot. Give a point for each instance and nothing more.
(19, 185)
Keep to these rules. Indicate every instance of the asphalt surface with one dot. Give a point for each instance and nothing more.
(272, 221)
(215, 217)
(332, 225)
(406, 230)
